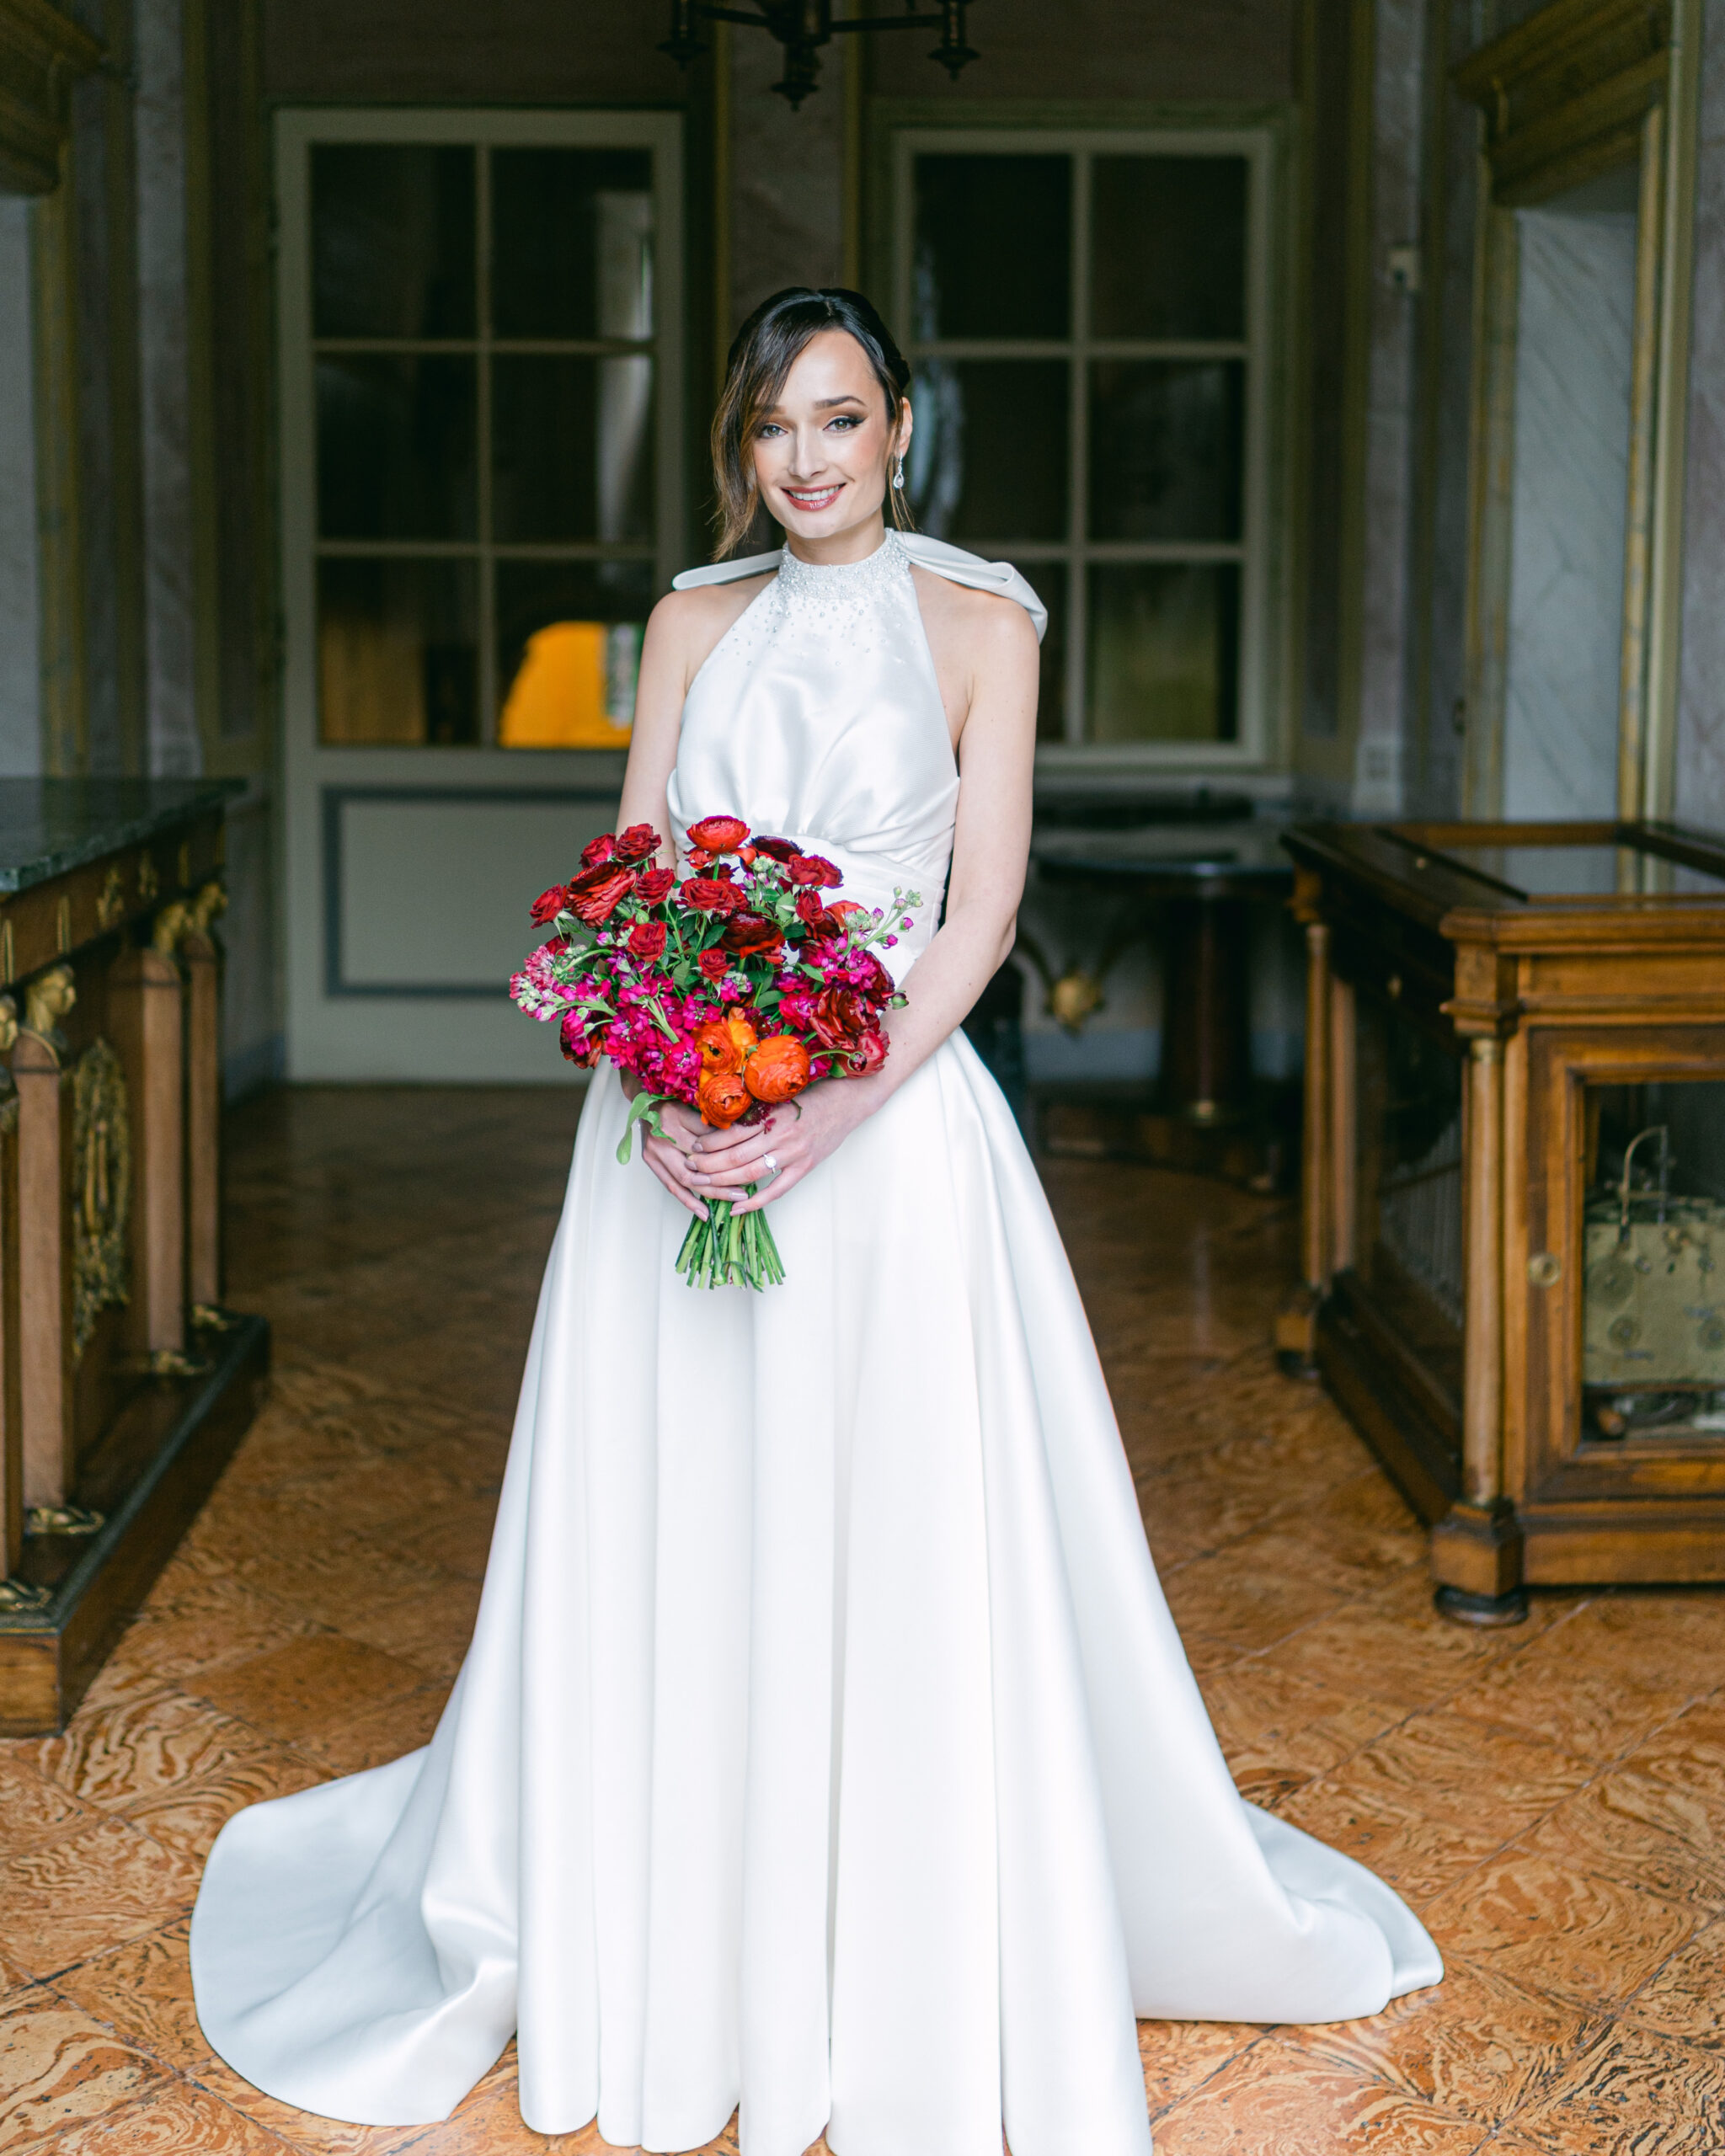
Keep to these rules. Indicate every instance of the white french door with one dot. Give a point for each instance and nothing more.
(481, 467)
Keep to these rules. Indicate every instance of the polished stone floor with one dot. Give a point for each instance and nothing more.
(1552, 1799)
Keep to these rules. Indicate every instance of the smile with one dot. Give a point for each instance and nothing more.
(814, 498)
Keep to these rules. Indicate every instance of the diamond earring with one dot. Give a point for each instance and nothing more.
(898, 474)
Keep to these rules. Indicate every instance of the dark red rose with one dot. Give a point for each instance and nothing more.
(814, 916)
(780, 849)
(638, 842)
(811, 868)
(746, 933)
(646, 939)
(549, 904)
(718, 834)
(840, 1018)
(713, 965)
(597, 892)
(706, 894)
(655, 885)
(603, 848)
(572, 1039)
(871, 1051)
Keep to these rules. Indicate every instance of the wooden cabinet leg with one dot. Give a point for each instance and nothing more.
(11, 1371)
(1476, 1549)
(145, 996)
(203, 1119)
(45, 1270)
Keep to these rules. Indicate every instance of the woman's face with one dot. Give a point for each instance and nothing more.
(822, 453)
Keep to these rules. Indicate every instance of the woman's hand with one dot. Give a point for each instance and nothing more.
(778, 1151)
(670, 1157)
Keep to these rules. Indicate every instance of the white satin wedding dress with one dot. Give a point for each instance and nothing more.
(825, 1744)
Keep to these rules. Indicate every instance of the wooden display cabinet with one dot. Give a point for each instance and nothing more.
(1513, 1190)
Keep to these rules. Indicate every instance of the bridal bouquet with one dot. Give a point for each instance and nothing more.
(730, 990)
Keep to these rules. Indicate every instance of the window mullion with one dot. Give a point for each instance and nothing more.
(487, 560)
(1078, 456)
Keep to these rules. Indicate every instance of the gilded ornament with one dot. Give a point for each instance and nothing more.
(110, 902)
(19, 1596)
(47, 1000)
(63, 1519)
(149, 883)
(209, 905)
(101, 1155)
(170, 924)
(1073, 997)
(8, 1024)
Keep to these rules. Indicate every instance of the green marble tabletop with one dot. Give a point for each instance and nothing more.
(49, 825)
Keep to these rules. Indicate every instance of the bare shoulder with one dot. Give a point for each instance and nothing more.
(971, 628)
(689, 624)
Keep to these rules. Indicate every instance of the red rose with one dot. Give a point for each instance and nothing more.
(713, 965)
(872, 1051)
(748, 932)
(638, 842)
(603, 848)
(840, 1018)
(646, 939)
(597, 892)
(572, 1039)
(655, 885)
(549, 904)
(811, 868)
(706, 894)
(814, 916)
(780, 849)
(718, 834)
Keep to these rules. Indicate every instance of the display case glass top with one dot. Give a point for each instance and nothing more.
(50, 825)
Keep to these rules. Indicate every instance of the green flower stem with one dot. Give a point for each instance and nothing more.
(728, 1250)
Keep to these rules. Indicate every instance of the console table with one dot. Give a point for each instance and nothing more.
(125, 1383)
(1514, 1189)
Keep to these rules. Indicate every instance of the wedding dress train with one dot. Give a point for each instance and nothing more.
(824, 1745)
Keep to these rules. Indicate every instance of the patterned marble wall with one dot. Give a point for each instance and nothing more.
(20, 688)
(1700, 788)
(1574, 337)
(786, 175)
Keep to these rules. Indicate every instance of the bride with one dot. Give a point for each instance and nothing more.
(825, 1746)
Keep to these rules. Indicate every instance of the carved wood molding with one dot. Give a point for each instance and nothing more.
(1565, 92)
(42, 52)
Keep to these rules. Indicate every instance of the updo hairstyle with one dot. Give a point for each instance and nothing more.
(766, 348)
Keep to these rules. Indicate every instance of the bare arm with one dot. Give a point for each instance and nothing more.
(997, 663)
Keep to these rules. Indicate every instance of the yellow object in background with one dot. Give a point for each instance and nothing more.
(567, 692)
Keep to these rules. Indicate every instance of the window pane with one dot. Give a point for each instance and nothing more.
(1163, 651)
(569, 643)
(988, 451)
(1169, 247)
(398, 651)
(1048, 580)
(395, 447)
(572, 242)
(572, 448)
(392, 240)
(1167, 448)
(993, 247)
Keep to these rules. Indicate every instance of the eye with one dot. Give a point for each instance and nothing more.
(847, 420)
(768, 427)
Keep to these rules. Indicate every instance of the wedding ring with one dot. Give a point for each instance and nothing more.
(769, 1160)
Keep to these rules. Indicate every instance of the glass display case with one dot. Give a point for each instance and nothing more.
(1514, 1191)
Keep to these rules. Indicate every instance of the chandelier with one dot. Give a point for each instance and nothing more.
(802, 27)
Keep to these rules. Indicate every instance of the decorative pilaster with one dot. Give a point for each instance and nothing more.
(201, 961)
(46, 1241)
(145, 996)
(1296, 1321)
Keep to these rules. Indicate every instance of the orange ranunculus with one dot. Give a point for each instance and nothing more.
(842, 906)
(744, 1036)
(779, 1067)
(718, 834)
(722, 1097)
(719, 1051)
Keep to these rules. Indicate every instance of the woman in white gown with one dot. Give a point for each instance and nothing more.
(825, 1746)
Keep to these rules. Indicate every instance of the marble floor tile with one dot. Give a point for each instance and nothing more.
(1256, 1592)
(1690, 1752)
(1475, 2045)
(332, 1580)
(1638, 1829)
(1179, 2057)
(300, 1690)
(1277, 2099)
(145, 1988)
(59, 2068)
(1542, 1924)
(187, 1821)
(431, 1630)
(33, 1808)
(1685, 1999)
(112, 1756)
(176, 2121)
(66, 1899)
(372, 1740)
(1420, 1855)
(1633, 2089)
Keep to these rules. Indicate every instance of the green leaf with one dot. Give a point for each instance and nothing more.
(644, 1108)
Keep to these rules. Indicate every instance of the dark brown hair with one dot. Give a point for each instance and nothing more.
(766, 348)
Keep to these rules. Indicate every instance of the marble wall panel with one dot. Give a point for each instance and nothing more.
(20, 661)
(788, 217)
(1700, 775)
(170, 597)
(1574, 340)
